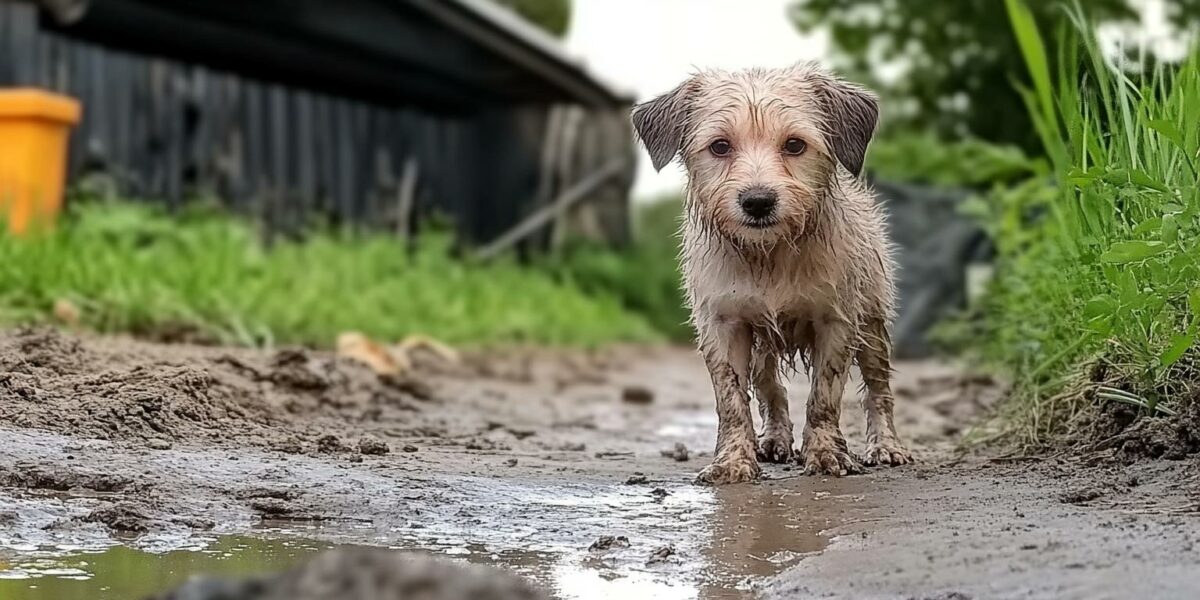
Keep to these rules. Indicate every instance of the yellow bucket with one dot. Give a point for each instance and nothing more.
(34, 128)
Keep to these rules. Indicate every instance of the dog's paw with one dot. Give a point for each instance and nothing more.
(826, 453)
(722, 472)
(775, 446)
(886, 452)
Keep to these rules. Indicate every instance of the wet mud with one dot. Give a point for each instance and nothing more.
(572, 470)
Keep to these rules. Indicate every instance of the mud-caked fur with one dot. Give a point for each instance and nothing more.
(811, 283)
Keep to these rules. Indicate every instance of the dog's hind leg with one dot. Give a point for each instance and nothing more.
(726, 350)
(824, 449)
(775, 442)
(874, 360)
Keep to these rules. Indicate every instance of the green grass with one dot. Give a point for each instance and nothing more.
(1097, 295)
(645, 276)
(130, 268)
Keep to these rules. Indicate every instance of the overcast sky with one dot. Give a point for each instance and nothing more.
(649, 46)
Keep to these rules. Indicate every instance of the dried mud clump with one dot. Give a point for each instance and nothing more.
(61, 478)
(369, 574)
(124, 517)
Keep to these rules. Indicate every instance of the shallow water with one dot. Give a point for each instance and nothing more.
(726, 540)
(123, 573)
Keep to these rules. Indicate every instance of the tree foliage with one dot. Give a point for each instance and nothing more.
(552, 15)
(957, 60)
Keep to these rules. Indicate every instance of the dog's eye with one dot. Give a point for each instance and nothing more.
(795, 146)
(720, 148)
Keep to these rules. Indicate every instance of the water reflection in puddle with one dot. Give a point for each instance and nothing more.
(123, 573)
(725, 540)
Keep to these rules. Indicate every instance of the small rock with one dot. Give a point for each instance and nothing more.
(121, 516)
(637, 395)
(636, 479)
(372, 446)
(288, 447)
(608, 542)
(512, 462)
(521, 434)
(659, 493)
(198, 523)
(417, 388)
(573, 447)
(330, 444)
(272, 507)
(157, 444)
(679, 453)
(661, 554)
(1081, 495)
(409, 448)
(355, 458)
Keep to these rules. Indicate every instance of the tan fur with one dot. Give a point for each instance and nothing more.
(815, 285)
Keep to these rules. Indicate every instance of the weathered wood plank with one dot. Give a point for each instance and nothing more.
(564, 202)
(164, 130)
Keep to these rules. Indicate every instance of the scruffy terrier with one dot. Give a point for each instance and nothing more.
(785, 257)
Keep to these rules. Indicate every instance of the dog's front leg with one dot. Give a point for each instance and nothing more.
(824, 449)
(726, 350)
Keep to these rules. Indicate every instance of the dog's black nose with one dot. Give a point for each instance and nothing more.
(758, 203)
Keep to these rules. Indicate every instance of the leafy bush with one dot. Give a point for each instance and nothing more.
(1097, 296)
(923, 158)
(133, 268)
(958, 58)
(552, 15)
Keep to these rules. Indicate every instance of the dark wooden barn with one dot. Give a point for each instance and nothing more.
(378, 113)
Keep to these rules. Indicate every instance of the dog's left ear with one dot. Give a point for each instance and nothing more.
(851, 116)
(660, 123)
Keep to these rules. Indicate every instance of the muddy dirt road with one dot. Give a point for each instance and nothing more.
(126, 466)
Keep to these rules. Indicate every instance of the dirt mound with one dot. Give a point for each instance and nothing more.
(40, 352)
(1171, 437)
(126, 390)
(369, 574)
(1133, 435)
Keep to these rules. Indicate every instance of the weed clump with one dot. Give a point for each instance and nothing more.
(1095, 308)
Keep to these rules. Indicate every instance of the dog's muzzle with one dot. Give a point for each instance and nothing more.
(758, 204)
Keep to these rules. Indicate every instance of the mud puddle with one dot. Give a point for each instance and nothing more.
(579, 542)
(120, 572)
(150, 462)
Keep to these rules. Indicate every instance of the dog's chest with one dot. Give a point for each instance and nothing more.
(758, 293)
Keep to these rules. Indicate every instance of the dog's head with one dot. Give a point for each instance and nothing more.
(760, 146)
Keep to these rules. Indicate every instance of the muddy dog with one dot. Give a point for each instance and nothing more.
(785, 258)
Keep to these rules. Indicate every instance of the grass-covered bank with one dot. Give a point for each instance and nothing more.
(1096, 302)
(131, 268)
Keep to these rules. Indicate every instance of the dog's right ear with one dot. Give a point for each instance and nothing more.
(852, 115)
(660, 123)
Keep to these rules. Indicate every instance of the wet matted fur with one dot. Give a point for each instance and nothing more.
(785, 258)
